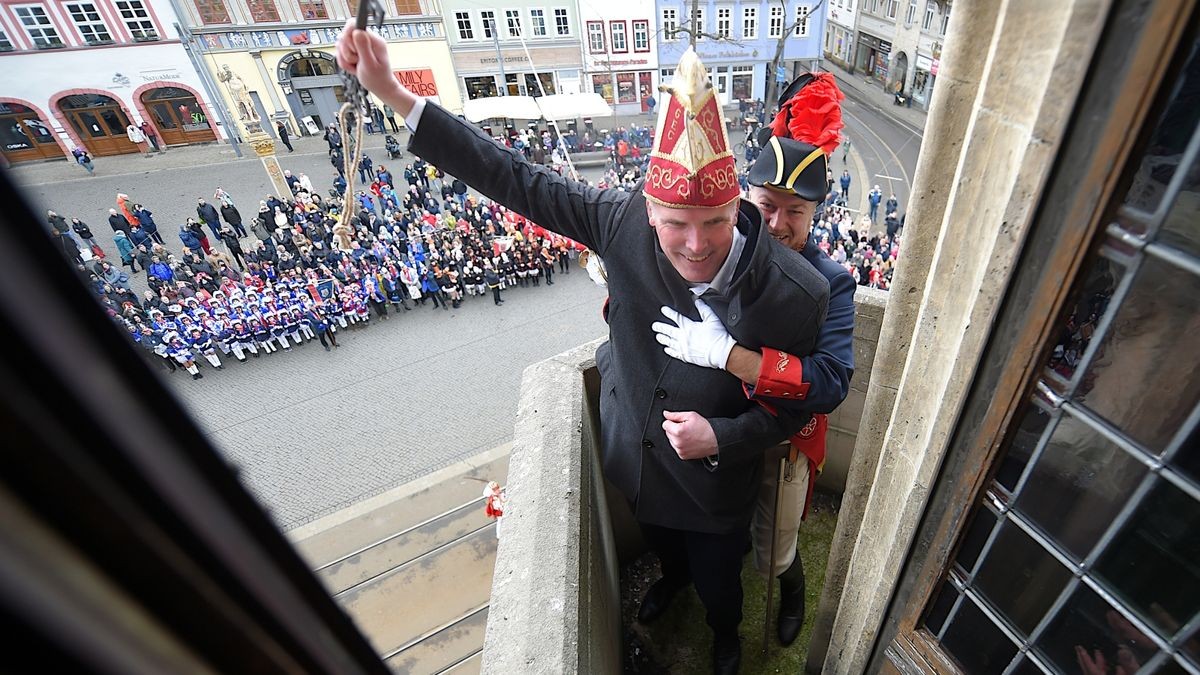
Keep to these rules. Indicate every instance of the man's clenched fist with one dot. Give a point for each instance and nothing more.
(690, 434)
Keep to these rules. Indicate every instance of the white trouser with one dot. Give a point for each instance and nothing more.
(791, 508)
(212, 358)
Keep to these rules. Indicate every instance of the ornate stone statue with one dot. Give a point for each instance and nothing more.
(240, 94)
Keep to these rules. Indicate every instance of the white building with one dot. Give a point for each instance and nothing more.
(839, 31)
(620, 52)
(81, 70)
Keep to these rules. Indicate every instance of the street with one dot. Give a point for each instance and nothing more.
(886, 146)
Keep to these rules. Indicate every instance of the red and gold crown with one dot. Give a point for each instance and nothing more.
(690, 165)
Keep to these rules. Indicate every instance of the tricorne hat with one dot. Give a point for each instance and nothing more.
(797, 143)
(691, 165)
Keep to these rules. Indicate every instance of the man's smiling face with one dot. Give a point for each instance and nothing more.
(696, 241)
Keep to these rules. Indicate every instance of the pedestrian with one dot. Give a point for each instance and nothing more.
(873, 199)
(82, 158)
(390, 114)
(84, 233)
(364, 169)
(117, 222)
(844, 181)
(892, 205)
(152, 136)
(234, 245)
(145, 218)
(125, 251)
(234, 218)
(135, 135)
(333, 138)
(283, 135)
(66, 245)
(208, 213)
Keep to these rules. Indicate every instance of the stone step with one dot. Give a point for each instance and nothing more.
(355, 529)
(443, 649)
(406, 603)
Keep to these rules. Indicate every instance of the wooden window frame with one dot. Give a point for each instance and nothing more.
(612, 26)
(645, 26)
(1136, 53)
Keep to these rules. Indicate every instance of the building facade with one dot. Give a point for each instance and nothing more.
(280, 54)
(620, 53)
(739, 41)
(81, 72)
(899, 44)
(516, 49)
(840, 33)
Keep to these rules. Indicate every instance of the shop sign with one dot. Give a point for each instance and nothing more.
(933, 67)
(875, 43)
(419, 81)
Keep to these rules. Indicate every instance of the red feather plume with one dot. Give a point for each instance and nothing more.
(813, 115)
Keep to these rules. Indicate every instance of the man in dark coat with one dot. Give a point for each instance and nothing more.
(232, 216)
(208, 214)
(284, 137)
(787, 183)
(117, 222)
(682, 443)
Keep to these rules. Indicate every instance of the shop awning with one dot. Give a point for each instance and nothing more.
(516, 107)
(555, 106)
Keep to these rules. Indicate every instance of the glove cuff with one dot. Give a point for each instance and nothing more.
(721, 350)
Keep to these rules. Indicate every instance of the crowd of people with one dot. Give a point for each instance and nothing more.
(296, 272)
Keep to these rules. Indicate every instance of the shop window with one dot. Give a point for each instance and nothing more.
(38, 26)
(481, 87)
(263, 11)
(743, 82)
(88, 22)
(212, 11)
(626, 88)
(602, 84)
(137, 20)
(562, 22)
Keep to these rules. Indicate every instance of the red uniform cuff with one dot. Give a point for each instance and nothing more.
(781, 375)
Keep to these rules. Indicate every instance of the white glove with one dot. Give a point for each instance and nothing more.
(703, 343)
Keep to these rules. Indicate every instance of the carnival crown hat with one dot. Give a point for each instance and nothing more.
(690, 164)
(796, 145)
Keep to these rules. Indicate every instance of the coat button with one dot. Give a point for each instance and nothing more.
(733, 317)
(660, 392)
(647, 443)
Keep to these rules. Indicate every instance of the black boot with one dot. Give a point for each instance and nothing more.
(791, 602)
(658, 599)
(727, 653)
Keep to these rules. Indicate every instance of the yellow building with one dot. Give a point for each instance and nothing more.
(283, 53)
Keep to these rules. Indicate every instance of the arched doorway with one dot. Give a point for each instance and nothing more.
(99, 122)
(312, 86)
(899, 72)
(24, 135)
(178, 115)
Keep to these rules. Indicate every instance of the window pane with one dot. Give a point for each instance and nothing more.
(1027, 667)
(940, 609)
(1171, 136)
(1024, 442)
(1142, 379)
(1154, 562)
(976, 643)
(1016, 562)
(1078, 485)
(1088, 630)
(1182, 229)
(1080, 317)
(977, 535)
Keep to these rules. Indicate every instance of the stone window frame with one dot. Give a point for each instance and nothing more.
(464, 25)
(514, 29)
(537, 15)
(562, 22)
(263, 11)
(212, 12)
(487, 19)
